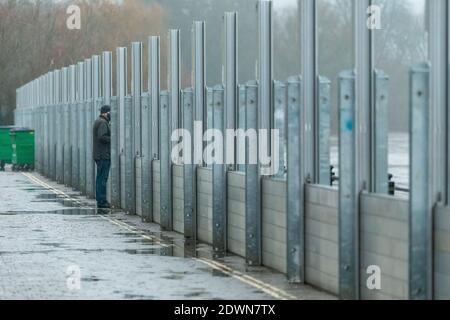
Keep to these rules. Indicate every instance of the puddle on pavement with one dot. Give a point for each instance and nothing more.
(155, 243)
(91, 279)
(215, 272)
(137, 296)
(66, 211)
(72, 201)
(194, 294)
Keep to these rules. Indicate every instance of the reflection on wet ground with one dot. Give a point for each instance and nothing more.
(74, 204)
(120, 256)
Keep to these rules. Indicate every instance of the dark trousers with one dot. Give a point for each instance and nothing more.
(102, 178)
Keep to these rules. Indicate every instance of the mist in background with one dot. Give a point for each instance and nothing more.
(34, 39)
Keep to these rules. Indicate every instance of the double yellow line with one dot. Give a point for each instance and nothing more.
(249, 280)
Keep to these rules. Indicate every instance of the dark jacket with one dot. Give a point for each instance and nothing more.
(102, 139)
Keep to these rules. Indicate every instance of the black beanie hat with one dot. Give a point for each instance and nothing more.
(105, 109)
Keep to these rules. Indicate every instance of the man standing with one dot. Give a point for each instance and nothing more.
(102, 154)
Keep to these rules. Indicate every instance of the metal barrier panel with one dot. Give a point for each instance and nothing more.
(348, 210)
(199, 81)
(231, 75)
(130, 200)
(122, 89)
(115, 154)
(90, 166)
(241, 124)
(381, 123)
(74, 145)
(82, 146)
(60, 145)
(323, 127)
(265, 66)
(279, 96)
(67, 140)
(252, 181)
(295, 186)
(166, 164)
(420, 228)
(136, 112)
(146, 171)
(88, 143)
(219, 192)
(154, 87)
(105, 82)
(46, 129)
(189, 187)
(208, 118)
(51, 141)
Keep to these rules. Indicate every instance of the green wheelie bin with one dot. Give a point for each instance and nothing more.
(22, 140)
(5, 146)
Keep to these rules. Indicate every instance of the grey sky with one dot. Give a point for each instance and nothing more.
(416, 5)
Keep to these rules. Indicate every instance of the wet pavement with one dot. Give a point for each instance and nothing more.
(55, 245)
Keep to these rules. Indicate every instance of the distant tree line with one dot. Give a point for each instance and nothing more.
(34, 37)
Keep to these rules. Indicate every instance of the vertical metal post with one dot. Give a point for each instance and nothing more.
(252, 181)
(146, 163)
(115, 151)
(323, 127)
(380, 132)
(421, 219)
(115, 157)
(136, 91)
(265, 67)
(174, 78)
(219, 173)
(295, 240)
(93, 112)
(308, 18)
(154, 87)
(52, 127)
(122, 90)
(364, 120)
(60, 129)
(231, 76)
(67, 127)
(46, 125)
(130, 193)
(439, 35)
(241, 123)
(89, 164)
(54, 136)
(165, 164)
(82, 126)
(279, 121)
(107, 76)
(208, 118)
(190, 217)
(199, 79)
(75, 127)
(348, 194)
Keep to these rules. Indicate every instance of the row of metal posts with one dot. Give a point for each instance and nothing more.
(249, 106)
(142, 125)
(362, 139)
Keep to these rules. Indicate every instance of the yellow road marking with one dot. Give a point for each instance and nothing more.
(228, 269)
(249, 280)
(266, 288)
(112, 220)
